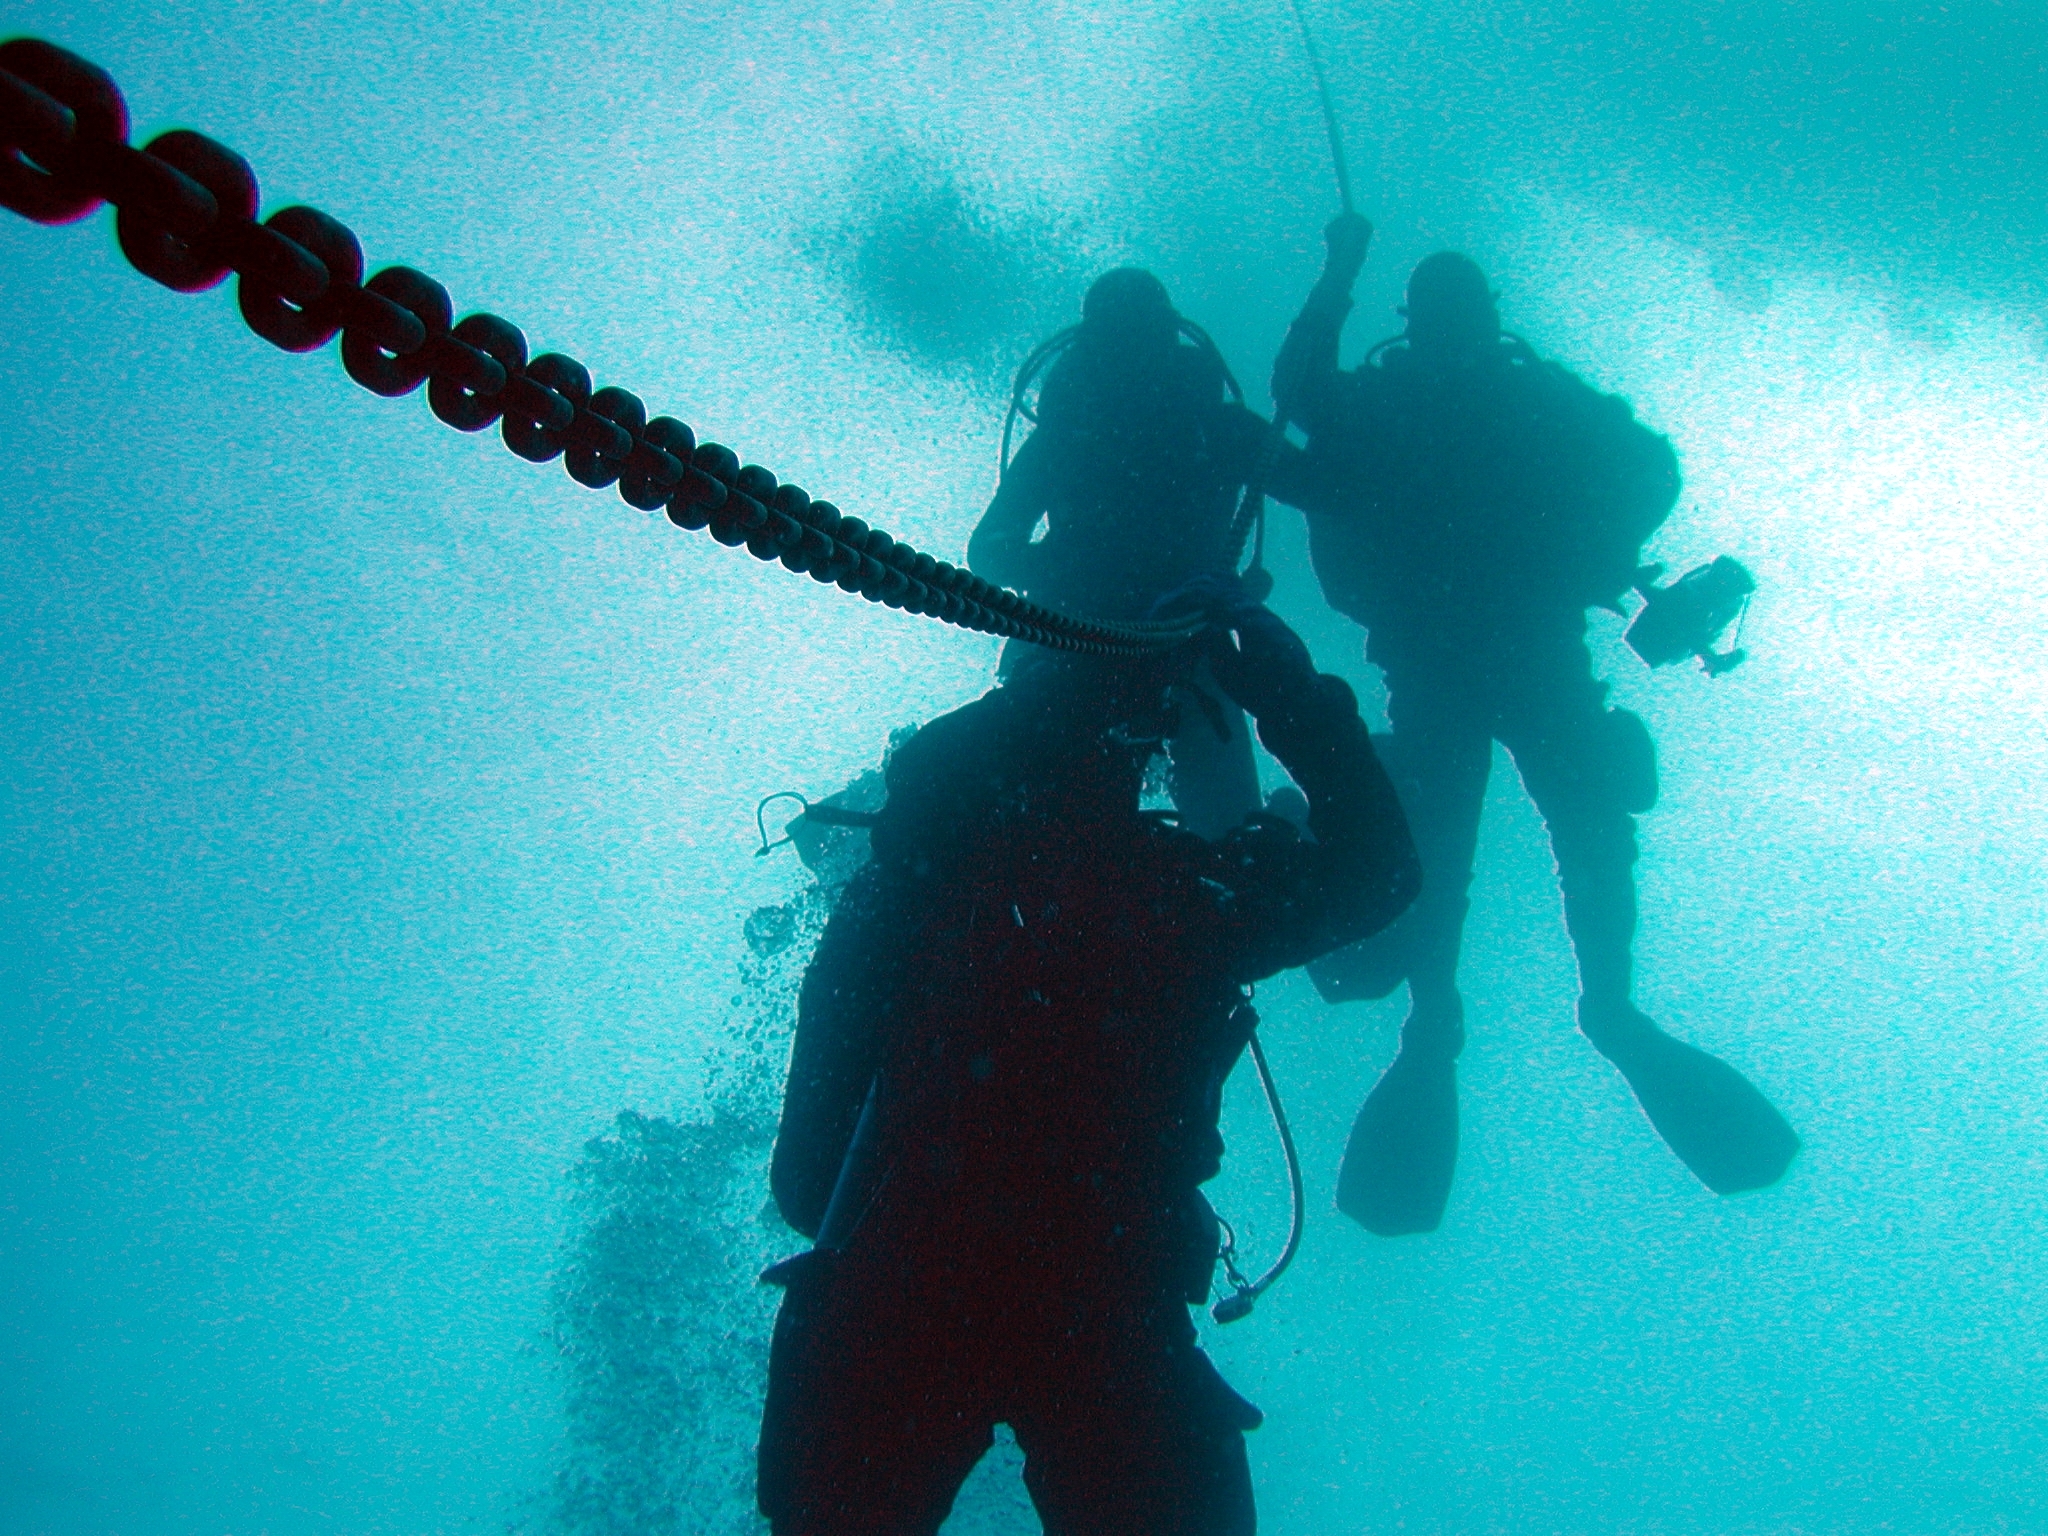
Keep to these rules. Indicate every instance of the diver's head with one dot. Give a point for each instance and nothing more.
(1093, 723)
(1451, 312)
(1126, 312)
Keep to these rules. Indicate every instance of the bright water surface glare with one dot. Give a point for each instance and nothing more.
(378, 818)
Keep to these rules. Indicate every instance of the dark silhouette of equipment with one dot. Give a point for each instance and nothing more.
(1686, 617)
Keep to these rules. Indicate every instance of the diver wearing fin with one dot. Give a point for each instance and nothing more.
(1468, 503)
(1004, 1093)
(1142, 445)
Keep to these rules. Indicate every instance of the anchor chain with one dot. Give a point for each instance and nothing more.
(187, 216)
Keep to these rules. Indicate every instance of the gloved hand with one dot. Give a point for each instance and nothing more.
(1261, 663)
(1348, 237)
(1252, 654)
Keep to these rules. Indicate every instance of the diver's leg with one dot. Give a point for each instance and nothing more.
(1398, 1165)
(1375, 966)
(874, 1415)
(1565, 749)
(1128, 1430)
(1215, 781)
(1575, 760)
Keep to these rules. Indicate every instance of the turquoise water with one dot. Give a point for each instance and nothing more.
(378, 822)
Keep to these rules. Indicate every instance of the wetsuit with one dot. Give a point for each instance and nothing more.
(1041, 989)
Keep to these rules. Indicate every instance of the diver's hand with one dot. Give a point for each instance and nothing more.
(1257, 659)
(1348, 237)
(1262, 664)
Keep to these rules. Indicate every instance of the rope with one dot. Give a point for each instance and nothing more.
(187, 217)
(1315, 64)
(1250, 521)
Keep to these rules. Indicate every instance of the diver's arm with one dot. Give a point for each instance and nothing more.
(1298, 899)
(1001, 550)
(837, 1052)
(1363, 868)
(1306, 368)
(1296, 478)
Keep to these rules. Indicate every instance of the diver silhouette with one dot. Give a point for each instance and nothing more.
(1004, 1094)
(1142, 444)
(1468, 502)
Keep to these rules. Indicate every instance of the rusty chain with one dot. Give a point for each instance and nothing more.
(187, 216)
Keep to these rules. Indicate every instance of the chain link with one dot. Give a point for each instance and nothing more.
(186, 215)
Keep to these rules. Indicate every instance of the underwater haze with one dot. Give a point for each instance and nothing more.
(392, 1004)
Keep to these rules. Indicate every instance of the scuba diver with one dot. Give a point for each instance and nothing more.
(1142, 446)
(1468, 503)
(1005, 1089)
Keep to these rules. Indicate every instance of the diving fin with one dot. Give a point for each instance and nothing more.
(1396, 1176)
(1715, 1119)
